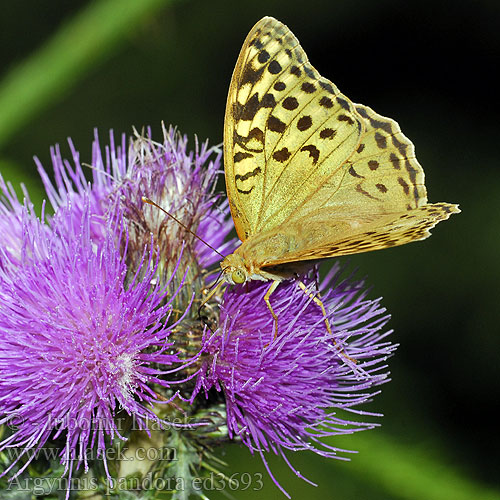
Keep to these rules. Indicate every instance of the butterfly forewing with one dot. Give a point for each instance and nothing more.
(287, 131)
(385, 166)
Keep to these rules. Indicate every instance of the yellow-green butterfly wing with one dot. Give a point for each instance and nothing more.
(309, 174)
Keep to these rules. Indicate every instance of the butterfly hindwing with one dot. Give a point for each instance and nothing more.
(311, 243)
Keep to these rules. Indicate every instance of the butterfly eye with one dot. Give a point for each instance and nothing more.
(238, 276)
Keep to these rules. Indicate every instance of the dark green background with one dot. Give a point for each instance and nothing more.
(430, 66)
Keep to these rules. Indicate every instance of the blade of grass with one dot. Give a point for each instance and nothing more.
(66, 58)
(411, 473)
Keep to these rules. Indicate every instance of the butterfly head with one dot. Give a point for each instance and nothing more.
(234, 269)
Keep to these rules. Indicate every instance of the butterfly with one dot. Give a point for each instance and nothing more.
(309, 174)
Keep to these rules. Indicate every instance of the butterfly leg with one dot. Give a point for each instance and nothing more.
(270, 290)
(317, 301)
(204, 303)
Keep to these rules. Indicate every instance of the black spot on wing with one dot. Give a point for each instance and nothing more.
(412, 171)
(275, 124)
(282, 155)
(254, 135)
(263, 56)
(247, 111)
(327, 133)
(294, 70)
(345, 118)
(313, 152)
(385, 126)
(257, 134)
(359, 189)
(310, 72)
(381, 140)
(400, 146)
(244, 191)
(308, 87)
(279, 86)
(343, 103)
(326, 102)
(299, 56)
(251, 75)
(241, 156)
(257, 43)
(304, 123)
(404, 185)
(274, 67)
(268, 101)
(362, 112)
(354, 173)
(246, 176)
(396, 162)
(290, 103)
(327, 86)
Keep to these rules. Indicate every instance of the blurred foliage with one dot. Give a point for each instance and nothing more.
(68, 67)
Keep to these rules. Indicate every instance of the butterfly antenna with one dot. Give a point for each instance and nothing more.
(150, 202)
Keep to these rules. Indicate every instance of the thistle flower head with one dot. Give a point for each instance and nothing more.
(99, 316)
(180, 181)
(281, 393)
(77, 345)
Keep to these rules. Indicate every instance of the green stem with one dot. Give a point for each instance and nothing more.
(411, 473)
(53, 69)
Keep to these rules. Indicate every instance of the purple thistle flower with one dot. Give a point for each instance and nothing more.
(177, 179)
(180, 181)
(96, 319)
(76, 344)
(280, 393)
(84, 320)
